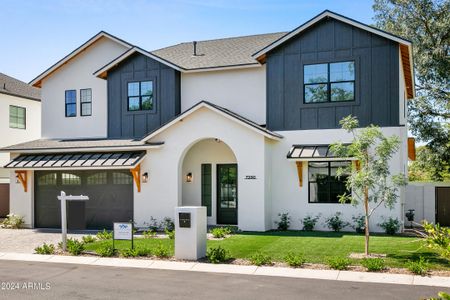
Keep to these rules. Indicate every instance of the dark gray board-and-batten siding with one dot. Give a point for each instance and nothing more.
(166, 88)
(376, 78)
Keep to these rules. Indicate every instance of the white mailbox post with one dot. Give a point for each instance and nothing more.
(63, 198)
(190, 232)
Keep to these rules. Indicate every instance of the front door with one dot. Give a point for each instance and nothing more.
(443, 206)
(227, 194)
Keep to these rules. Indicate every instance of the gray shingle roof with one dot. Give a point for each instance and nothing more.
(15, 87)
(218, 53)
(64, 145)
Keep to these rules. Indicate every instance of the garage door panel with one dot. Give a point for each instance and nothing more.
(110, 196)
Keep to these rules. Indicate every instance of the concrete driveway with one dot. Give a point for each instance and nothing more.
(25, 240)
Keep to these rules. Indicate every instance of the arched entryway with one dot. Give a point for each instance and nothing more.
(209, 177)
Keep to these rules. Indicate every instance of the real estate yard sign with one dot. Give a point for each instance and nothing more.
(123, 231)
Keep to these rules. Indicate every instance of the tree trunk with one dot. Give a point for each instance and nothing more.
(366, 210)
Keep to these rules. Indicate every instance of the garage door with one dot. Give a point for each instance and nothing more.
(110, 198)
(4, 199)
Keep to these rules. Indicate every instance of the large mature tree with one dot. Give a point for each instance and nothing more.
(371, 183)
(423, 168)
(427, 24)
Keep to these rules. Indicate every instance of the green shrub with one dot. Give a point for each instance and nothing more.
(285, 221)
(294, 260)
(161, 251)
(148, 234)
(338, 263)
(419, 267)
(360, 223)
(390, 226)
(441, 296)
(143, 251)
(310, 222)
(75, 247)
(13, 221)
(217, 255)
(170, 233)
(220, 232)
(335, 222)
(104, 235)
(167, 224)
(87, 239)
(128, 252)
(437, 238)
(45, 249)
(105, 250)
(152, 225)
(260, 259)
(373, 264)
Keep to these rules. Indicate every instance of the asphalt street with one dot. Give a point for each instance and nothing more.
(32, 280)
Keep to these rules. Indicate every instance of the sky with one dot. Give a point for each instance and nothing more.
(35, 34)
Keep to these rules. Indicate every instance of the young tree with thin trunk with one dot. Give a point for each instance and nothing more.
(370, 180)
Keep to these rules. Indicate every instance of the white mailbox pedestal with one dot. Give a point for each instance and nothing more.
(190, 232)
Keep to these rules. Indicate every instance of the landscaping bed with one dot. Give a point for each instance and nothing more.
(312, 250)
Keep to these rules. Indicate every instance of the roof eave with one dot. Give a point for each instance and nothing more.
(266, 133)
(36, 82)
(259, 55)
(103, 72)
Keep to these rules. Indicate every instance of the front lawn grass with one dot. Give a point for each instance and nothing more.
(316, 247)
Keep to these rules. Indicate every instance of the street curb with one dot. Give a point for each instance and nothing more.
(366, 277)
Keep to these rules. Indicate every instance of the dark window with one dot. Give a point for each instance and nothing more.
(206, 187)
(140, 96)
(330, 82)
(86, 102)
(324, 185)
(122, 178)
(17, 117)
(47, 179)
(71, 103)
(71, 179)
(97, 178)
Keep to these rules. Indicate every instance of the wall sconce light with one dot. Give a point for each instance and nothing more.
(145, 177)
(17, 178)
(189, 177)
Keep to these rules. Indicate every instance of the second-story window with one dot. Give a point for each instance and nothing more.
(140, 95)
(71, 103)
(330, 82)
(86, 102)
(17, 117)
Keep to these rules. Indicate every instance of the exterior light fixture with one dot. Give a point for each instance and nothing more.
(189, 177)
(145, 177)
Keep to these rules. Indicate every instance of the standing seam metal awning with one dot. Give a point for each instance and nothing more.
(123, 160)
(312, 152)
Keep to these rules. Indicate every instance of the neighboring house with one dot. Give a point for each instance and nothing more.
(239, 125)
(20, 121)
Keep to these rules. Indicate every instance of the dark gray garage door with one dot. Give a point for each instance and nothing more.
(110, 198)
(4, 199)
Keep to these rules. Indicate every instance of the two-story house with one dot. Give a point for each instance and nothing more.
(20, 121)
(239, 125)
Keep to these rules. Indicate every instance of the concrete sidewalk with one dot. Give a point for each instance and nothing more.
(235, 269)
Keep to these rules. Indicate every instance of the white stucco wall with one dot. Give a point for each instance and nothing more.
(21, 202)
(163, 191)
(205, 151)
(76, 75)
(10, 136)
(421, 196)
(288, 196)
(242, 91)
